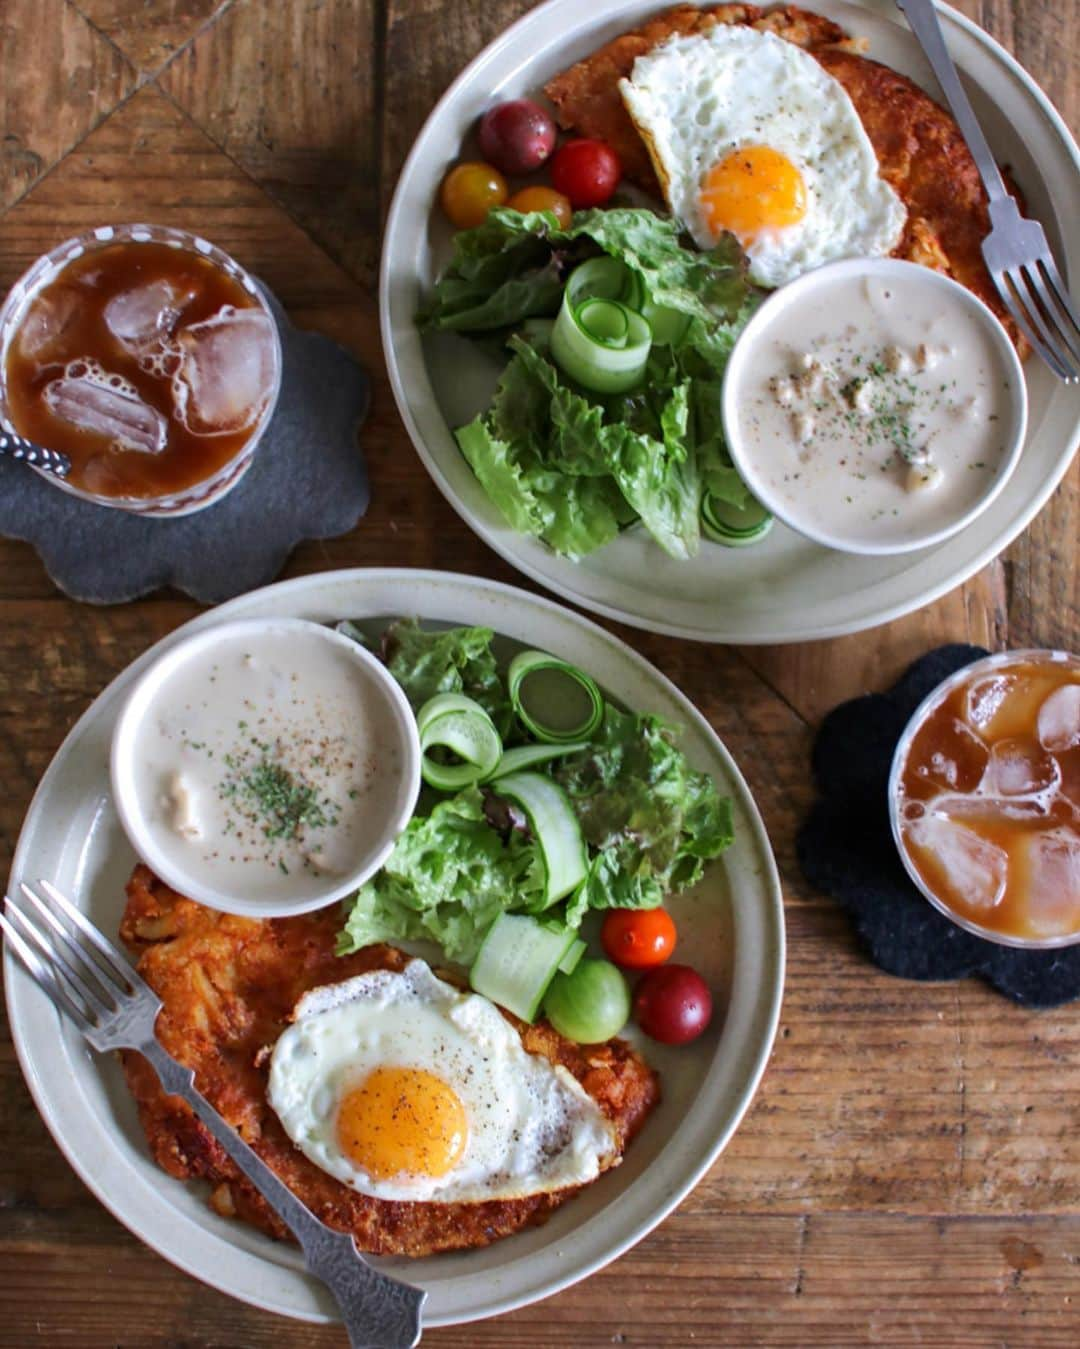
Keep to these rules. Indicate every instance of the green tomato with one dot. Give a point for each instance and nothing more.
(590, 1005)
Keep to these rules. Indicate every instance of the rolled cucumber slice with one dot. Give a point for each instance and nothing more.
(602, 344)
(458, 724)
(569, 685)
(605, 278)
(734, 526)
(555, 828)
(518, 960)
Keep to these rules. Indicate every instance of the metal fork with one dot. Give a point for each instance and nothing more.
(89, 980)
(1016, 252)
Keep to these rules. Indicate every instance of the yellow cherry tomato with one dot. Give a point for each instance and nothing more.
(469, 191)
(543, 199)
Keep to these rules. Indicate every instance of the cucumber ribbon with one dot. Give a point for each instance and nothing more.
(734, 526)
(607, 325)
(555, 828)
(527, 663)
(452, 722)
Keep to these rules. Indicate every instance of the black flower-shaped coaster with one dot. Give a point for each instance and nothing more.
(845, 848)
(307, 481)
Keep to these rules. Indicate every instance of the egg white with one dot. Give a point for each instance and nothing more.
(532, 1128)
(695, 99)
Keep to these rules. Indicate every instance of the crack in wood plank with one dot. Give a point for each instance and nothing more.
(147, 43)
(70, 96)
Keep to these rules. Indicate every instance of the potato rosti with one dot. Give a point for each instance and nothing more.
(228, 985)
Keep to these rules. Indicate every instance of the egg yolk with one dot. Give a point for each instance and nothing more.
(753, 189)
(402, 1121)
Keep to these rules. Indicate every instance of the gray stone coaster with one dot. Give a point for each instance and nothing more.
(307, 481)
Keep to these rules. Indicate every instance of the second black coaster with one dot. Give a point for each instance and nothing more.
(845, 848)
(306, 481)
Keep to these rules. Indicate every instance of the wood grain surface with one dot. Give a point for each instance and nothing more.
(910, 1171)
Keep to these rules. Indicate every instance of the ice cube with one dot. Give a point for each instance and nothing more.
(226, 373)
(991, 809)
(47, 320)
(1059, 719)
(112, 410)
(953, 758)
(969, 868)
(1053, 883)
(986, 697)
(143, 318)
(1020, 767)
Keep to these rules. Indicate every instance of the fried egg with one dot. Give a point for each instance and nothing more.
(749, 134)
(403, 1087)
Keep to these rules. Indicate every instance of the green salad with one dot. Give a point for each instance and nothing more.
(608, 410)
(583, 805)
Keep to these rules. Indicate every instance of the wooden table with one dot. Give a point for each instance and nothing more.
(910, 1171)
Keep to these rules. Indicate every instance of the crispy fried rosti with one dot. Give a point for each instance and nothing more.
(228, 985)
(920, 151)
(587, 98)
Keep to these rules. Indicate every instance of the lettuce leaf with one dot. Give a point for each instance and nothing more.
(652, 819)
(572, 471)
(574, 516)
(456, 660)
(569, 466)
(711, 286)
(512, 267)
(649, 820)
(502, 272)
(448, 878)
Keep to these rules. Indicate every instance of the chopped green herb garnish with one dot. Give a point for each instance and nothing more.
(285, 802)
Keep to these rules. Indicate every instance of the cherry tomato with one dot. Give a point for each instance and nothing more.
(517, 136)
(637, 939)
(586, 171)
(468, 193)
(543, 199)
(672, 1004)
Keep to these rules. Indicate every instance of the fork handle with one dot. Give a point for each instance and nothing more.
(922, 16)
(379, 1312)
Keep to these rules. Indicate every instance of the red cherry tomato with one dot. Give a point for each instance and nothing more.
(516, 137)
(672, 1004)
(587, 172)
(637, 939)
(468, 193)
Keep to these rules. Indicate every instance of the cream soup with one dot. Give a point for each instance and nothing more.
(268, 764)
(875, 411)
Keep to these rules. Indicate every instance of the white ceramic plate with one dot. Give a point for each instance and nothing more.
(732, 923)
(786, 589)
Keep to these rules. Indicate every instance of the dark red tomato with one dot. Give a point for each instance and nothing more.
(587, 172)
(673, 1004)
(637, 939)
(516, 137)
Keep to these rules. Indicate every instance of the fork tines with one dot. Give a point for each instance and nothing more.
(1027, 279)
(85, 975)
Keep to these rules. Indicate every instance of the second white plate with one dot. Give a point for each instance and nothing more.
(786, 589)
